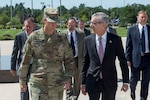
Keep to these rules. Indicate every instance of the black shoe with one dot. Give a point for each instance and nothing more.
(133, 95)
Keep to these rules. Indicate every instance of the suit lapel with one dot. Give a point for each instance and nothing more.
(108, 46)
(111, 30)
(78, 39)
(94, 46)
(137, 33)
(24, 36)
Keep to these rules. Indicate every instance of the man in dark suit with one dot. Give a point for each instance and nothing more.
(99, 74)
(16, 56)
(77, 47)
(138, 55)
(81, 26)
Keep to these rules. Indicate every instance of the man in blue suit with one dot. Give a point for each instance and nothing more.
(138, 55)
(16, 56)
(99, 73)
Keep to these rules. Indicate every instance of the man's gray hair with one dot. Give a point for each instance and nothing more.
(101, 17)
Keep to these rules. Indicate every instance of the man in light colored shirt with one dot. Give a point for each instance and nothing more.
(138, 55)
(78, 39)
(16, 56)
(99, 74)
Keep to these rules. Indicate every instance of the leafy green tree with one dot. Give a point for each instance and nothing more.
(20, 11)
(4, 19)
(39, 19)
(38, 15)
(73, 11)
(63, 10)
(82, 6)
(15, 21)
(125, 14)
(84, 18)
(148, 12)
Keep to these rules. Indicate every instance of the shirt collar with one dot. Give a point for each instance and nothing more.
(104, 36)
(81, 29)
(73, 32)
(108, 30)
(26, 33)
(141, 26)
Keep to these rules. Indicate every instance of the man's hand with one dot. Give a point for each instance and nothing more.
(83, 89)
(124, 87)
(66, 85)
(129, 63)
(23, 88)
(13, 72)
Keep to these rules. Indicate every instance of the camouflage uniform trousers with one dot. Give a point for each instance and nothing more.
(44, 93)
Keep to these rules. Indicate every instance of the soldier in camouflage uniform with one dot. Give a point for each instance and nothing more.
(52, 61)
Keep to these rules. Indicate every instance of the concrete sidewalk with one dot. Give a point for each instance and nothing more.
(10, 91)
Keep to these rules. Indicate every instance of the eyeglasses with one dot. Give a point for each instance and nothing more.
(94, 23)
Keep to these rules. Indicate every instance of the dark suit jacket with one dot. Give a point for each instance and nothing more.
(133, 45)
(86, 32)
(92, 65)
(16, 56)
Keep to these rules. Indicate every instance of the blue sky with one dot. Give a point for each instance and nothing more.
(70, 3)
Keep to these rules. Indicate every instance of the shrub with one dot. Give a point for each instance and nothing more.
(6, 37)
(1, 26)
(8, 27)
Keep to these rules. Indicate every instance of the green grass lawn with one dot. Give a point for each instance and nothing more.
(11, 32)
(121, 31)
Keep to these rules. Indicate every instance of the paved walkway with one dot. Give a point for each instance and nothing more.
(10, 91)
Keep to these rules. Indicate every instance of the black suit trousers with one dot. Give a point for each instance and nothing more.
(95, 87)
(135, 76)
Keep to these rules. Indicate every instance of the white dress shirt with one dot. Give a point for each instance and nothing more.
(104, 39)
(75, 41)
(146, 37)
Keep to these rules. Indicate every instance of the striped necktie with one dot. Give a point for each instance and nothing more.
(101, 53)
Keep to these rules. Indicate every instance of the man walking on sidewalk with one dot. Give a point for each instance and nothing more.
(16, 56)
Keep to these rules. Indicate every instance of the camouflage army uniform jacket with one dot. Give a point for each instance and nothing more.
(52, 59)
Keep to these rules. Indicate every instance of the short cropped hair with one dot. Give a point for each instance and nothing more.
(101, 17)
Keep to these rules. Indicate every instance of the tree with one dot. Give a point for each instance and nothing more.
(4, 19)
(63, 10)
(84, 18)
(15, 21)
(82, 6)
(125, 14)
(73, 11)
